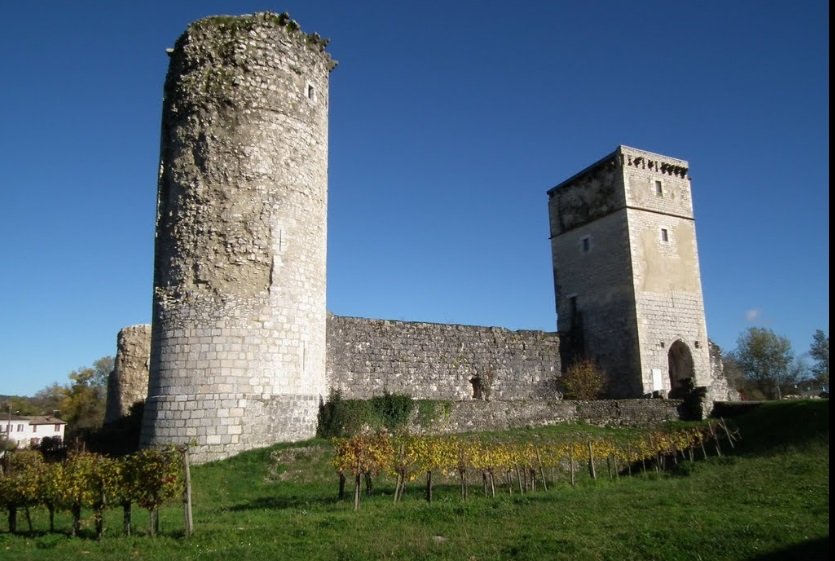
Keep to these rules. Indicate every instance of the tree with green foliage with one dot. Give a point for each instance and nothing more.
(765, 359)
(819, 351)
(83, 402)
(736, 379)
(49, 399)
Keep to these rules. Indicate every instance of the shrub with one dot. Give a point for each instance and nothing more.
(340, 417)
(392, 409)
(583, 380)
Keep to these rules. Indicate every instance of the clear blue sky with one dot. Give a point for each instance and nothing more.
(448, 123)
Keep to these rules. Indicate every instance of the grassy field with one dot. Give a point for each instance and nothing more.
(767, 500)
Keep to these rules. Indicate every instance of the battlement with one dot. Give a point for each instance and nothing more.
(227, 27)
(627, 156)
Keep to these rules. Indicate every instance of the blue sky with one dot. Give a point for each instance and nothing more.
(448, 123)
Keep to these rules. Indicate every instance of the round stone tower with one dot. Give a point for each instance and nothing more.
(238, 332)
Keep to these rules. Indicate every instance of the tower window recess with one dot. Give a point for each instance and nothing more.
(311, 92)
(665, 235)
(659, 188)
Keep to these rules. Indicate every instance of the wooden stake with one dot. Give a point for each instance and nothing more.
(541, 470)
(592, 471)
(357, 483)
(715, 439)
(126, 518)
(571, 465)
(187, 514)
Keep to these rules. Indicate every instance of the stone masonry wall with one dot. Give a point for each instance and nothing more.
(626, 272)
(367, 357)
(665, 265)
(719, 389)
(593, 274)
(501, 415)
(128, 382)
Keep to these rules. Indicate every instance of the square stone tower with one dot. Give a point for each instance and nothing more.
(626, 273)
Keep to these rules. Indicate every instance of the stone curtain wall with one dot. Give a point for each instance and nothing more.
(128, 382)
(239, 319)
(500, 415)
(367, 357)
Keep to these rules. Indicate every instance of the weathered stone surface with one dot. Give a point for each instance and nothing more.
(239, 280)
(718, 389)
(627, 275)
(466, 416)
(128, 382)
(367, 357)
(242, 351)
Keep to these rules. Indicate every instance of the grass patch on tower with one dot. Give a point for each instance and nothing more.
(768, 498)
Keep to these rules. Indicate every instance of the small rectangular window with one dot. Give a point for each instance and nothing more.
(57, 428)
(659, 189)
(34, 428)
(19, 428)
(665, 236)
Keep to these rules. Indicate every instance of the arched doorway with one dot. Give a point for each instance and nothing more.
(681, 369)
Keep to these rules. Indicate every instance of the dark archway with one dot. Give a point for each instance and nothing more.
(682, 373)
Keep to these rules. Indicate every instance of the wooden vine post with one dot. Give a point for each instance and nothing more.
(541, 469)
(187, 513)
(715, 439)
(571, 464)
(357, 485)
(592, 471)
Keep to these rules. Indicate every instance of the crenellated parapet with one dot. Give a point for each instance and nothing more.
(654, 162)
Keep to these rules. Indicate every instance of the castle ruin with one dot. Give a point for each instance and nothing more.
(242, 350)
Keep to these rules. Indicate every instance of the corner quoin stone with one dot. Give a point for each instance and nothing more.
(239, 321)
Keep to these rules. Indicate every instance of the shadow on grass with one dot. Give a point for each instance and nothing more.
(810, 550)
(279, 503)
(775, 426)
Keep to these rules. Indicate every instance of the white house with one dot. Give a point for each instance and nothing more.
(29, 431)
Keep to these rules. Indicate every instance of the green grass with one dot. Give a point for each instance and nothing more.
(766, 500)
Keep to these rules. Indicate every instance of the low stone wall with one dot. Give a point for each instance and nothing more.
(367, 357)
(466, 416)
